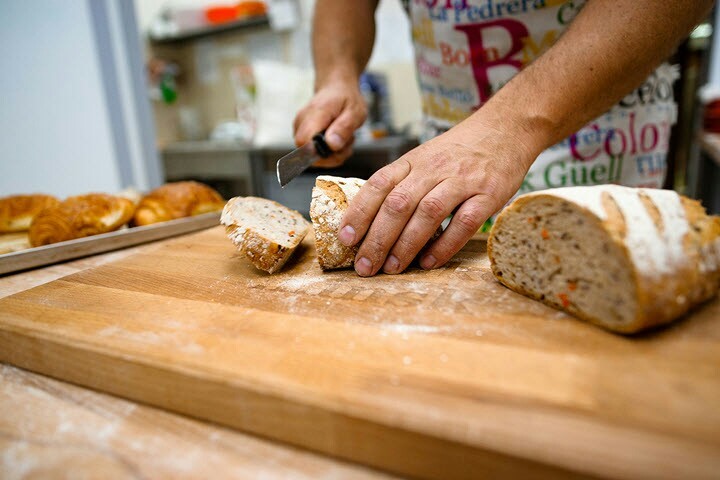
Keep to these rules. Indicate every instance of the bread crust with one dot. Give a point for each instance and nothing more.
(80, 216)
(177, 200)
(264, 253)
(18, 211)
(662, 295)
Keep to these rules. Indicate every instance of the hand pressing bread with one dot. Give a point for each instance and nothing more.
(623, 258)
(331, 197)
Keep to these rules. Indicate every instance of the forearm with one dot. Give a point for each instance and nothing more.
(343, 37)
(609, 49)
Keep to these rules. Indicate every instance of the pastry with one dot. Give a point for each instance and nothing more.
(80, 216)
(177, 200)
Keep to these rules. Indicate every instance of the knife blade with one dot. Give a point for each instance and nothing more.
(297, 161)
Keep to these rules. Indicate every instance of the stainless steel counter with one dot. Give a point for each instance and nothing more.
(239, 169)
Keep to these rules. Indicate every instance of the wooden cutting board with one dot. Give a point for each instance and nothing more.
(439, 374)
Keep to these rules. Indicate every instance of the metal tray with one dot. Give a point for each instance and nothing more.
(104, 242)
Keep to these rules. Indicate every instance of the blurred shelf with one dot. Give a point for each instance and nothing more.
(210, 146)
(249, 22)
(206, 146)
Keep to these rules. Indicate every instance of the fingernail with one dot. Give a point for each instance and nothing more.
(363, 267)
(428, 262)
(347, 236)
(392, 265)
(335, 141)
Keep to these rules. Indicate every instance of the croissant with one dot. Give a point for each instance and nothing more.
(17, 211)
(80, 216)
(177, 200)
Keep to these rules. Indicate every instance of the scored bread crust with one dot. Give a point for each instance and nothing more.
(18, 211)
(671, 248)
(80, 216)
(263, 252)
(177, 200)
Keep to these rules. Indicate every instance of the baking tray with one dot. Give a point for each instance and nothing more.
(104, 242)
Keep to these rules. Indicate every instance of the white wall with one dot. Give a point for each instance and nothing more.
(55, 132)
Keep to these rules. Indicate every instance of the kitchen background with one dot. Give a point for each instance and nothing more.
(99, 95)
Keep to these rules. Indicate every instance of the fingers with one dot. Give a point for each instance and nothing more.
(311, 120)
(430, 213)
(392, 217)
(367, 201)
(343, 127)
(338, 110)
(466, 221)
(337, 158)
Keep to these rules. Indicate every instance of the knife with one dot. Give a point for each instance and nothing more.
(297, 161)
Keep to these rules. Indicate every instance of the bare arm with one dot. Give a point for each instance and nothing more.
(475, 167)
(343, 37)
(609, 49)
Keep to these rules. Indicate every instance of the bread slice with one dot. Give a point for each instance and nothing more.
(623, 258)
(266, 232)
(330, 199)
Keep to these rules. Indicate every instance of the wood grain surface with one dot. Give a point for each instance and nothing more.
(440, 374)
(51, 429)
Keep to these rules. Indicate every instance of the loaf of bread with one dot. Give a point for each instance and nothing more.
(177, 200)
(264, 231)
(330, 199)
(625, 259)
(18, 211)
(80, 216)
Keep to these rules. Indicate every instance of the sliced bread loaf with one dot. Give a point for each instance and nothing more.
(623, 258)
(266, 232)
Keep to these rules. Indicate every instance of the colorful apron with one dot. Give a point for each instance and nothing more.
(466, 50)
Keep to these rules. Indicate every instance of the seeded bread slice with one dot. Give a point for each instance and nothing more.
(623, 258)
(266, 232)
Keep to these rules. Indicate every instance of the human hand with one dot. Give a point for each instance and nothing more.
(339, 109)
(472, 170)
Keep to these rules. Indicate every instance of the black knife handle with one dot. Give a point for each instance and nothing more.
(321, 146)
